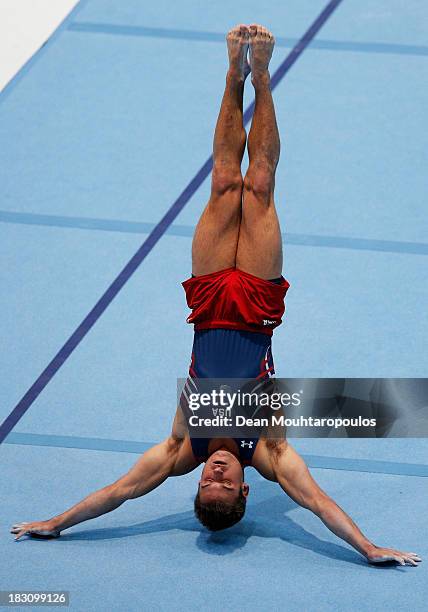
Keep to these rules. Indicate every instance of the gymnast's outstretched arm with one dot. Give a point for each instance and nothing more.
(285, 466)
(172, 457)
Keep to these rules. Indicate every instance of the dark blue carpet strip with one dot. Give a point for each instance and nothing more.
(187, 231)
(88, 27)
(132, 446)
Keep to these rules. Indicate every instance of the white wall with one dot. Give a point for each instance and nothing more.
(24, 26)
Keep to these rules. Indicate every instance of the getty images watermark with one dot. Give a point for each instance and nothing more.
(294, 407)
(219, 408)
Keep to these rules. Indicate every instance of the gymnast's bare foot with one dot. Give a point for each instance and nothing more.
(237, 48)
(261, 47)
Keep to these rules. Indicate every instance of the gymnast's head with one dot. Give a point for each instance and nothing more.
(222, 493)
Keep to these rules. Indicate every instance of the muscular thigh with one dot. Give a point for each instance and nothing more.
(216, 236)
(259, 249)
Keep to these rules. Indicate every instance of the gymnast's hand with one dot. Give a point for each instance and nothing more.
(41, 529)
(381, 555)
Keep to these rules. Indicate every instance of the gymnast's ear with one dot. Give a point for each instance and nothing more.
(245, 488)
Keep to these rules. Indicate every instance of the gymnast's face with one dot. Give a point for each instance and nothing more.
(222, 478)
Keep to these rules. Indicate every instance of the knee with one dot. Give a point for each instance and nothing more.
(260, 181)
(226, 180)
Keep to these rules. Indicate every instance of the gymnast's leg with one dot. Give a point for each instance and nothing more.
(260, 244)
(216, 235)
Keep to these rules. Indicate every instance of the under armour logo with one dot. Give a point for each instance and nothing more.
(269, 322)
(249, 444)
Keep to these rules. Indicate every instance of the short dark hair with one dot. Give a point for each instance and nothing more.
(217, 515)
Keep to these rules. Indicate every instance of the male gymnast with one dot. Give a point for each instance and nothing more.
(236, 294)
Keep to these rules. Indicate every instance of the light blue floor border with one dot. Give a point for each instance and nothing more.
(129, 446)
(139, 227)
(10, 85)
